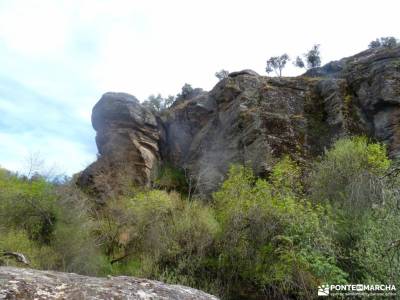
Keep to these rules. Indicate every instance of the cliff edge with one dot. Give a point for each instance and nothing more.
(248, 119)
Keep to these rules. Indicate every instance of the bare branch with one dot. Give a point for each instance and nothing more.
(19, 257)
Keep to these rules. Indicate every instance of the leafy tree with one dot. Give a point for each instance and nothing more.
(375, 44)
(222, 74)
(154, 103)
(157, 103)
(187, 89)
(387, 42)
(312, 59)
(277, 64)
(169, 101)
(299, 62)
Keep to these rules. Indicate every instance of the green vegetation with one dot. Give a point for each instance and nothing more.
(277, 64)
(272, 240)
(222, 74)
(317, 128)
(335, 222)
(50, 224)
(351, 179)
(157, 104)
(171, 179)
(387, 42)
(312, 59)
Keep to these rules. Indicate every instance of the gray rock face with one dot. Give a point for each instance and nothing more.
(253, 120)
(43, 285)
(128, 142)
(244, 72)
(374, 79)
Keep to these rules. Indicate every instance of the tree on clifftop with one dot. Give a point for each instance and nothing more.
(158, 103)
(222, 74)
(277, 63)
(312, 58)
(387, 42)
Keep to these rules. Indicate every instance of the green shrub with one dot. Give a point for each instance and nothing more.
(75, 244)
(347, 161)
(158, 235)
(39, 256)
(376, 254)
(286, 177)
(52, 228)
(29, 205)
(256, 239)
(171, 179)
(272, 243)
(350, 176)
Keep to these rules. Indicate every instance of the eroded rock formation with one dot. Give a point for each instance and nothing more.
(128, 138)
(18, 283)
(249, 119)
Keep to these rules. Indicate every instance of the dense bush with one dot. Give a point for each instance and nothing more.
(257, 238)
(158, 235)
(346, 167)
(351, 177)
(29, 205)
(171, 179)
(39, 256)
(272, 243)
(46, 224)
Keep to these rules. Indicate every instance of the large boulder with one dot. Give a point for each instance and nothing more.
(254, 120)
(127, 138)
(18, 283)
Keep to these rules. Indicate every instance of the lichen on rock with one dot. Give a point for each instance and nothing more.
(248, 119)
(18, 283)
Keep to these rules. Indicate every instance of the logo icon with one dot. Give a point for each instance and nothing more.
(360, 287)
(323, 290)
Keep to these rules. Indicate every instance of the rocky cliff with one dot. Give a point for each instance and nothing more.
(249, 119)
(18, 283)
(128, 139)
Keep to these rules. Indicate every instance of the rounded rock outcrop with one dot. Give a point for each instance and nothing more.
(127, 138)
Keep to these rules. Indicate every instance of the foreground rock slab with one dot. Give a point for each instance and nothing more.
(16, 283)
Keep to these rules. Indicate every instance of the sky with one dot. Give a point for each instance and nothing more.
(58, 57)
